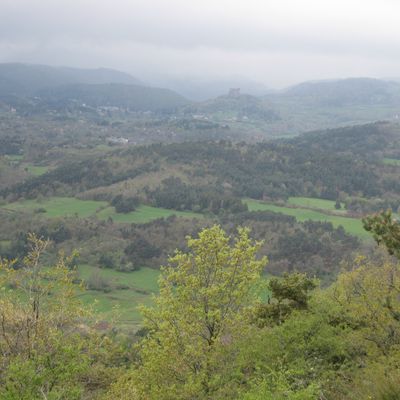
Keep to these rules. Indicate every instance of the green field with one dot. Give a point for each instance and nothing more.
(351, 225)
(391, 161)
(36, 170)
(14, 157)
(68, 206)
(144, 214)
(120, 304)
(59, 206)
(311, 202)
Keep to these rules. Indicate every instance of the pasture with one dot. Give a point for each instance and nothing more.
(127, 290)
(59, 206)
(144, 214)
(351, 225)
(391, 161)
(312, 202)
(70, 206)
(14, 157)
(36, 170)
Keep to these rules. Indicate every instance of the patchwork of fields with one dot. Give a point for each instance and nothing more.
(69, 206)
(123, 292)
(300, 207)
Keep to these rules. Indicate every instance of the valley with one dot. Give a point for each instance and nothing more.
(149, 198)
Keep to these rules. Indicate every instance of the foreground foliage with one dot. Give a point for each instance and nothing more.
(201, 313)
(385, 230)
(209, 334)
(304, 343)
(42, 350)
(47, 347)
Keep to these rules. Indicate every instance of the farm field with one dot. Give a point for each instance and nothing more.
(391, 161)
(69, 206)
(120, 304)
(17, 161)
(36, 170)
(310, 202)
(59, 206)
(14, 157)
(144, 214)
(351, 225)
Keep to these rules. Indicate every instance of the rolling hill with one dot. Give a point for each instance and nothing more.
(345, 92)
(27, 79)
(44, 87)
(237, 106)
(134, 97)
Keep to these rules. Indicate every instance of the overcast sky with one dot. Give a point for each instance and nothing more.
(277, 42)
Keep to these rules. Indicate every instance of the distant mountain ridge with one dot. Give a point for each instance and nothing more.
(238, 105)
(348, 91)
(61, 86)
(134, 97)
(206, 89)
(17, 78)
(307, 106)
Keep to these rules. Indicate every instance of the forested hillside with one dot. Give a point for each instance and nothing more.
(131, 97)
(347, 163)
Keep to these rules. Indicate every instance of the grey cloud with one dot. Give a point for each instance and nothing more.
(138, 22)
(176, 36)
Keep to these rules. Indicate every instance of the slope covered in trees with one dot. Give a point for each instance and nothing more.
(346, 162)
(132, 97)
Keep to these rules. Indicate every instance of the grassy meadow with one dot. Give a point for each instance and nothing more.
(127, 291)
(59, 206)
(311, 202)
(18, 160)
(391, 161)
(121, 304)
(351, 225)
(144, 214)
(36, 170)
(14, 157)
(70, 206)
